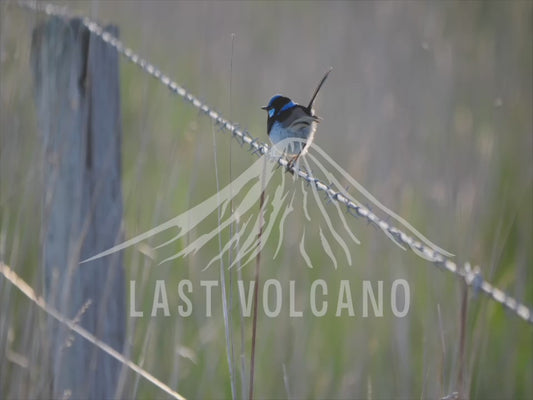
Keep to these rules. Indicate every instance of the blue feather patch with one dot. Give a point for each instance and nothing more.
(290, 104)
(273, 99)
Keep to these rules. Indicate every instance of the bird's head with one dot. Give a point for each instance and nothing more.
(278, 104)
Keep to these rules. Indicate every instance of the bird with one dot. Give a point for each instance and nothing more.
(291, 127)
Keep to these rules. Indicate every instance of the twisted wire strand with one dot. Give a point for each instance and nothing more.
(74, 326)
(472, 277)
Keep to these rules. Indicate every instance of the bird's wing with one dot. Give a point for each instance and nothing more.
(303, 122)
(299, 119)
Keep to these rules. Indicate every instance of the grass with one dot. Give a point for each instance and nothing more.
(428, 107)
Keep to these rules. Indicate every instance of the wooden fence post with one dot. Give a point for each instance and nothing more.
(78, 105)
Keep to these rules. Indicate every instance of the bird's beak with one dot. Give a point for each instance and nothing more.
(264, 108)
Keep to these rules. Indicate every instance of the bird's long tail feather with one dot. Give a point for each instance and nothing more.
(317, 89)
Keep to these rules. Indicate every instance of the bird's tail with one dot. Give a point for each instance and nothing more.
(317, 89)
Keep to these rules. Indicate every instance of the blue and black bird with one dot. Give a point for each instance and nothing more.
(292, 126)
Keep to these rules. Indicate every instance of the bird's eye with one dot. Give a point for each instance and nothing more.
(271, 112)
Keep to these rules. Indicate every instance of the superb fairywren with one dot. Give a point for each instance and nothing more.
(292, 126)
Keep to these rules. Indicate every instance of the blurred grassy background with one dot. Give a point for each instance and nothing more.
(429, 107)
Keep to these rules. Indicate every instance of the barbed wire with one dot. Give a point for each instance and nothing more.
(472, 277)
(73, 324)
